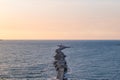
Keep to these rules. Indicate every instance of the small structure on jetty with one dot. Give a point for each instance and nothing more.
(60, 63)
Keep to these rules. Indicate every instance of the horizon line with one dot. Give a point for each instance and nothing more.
(62, 39)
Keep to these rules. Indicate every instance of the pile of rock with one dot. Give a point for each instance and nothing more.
(60, 63)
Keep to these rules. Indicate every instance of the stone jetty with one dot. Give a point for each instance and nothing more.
(60, 63)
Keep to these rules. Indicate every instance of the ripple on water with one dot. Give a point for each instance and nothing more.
(39, 71)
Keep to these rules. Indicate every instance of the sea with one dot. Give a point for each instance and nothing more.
(33, 59)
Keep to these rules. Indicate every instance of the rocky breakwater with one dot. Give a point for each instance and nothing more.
(60, 63)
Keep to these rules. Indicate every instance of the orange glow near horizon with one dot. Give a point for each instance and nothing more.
(45, 19)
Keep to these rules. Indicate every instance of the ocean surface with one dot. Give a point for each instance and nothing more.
(33, 59)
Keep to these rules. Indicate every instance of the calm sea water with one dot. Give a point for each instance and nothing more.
(32, 60)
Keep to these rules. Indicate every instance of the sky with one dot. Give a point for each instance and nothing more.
(60, 19)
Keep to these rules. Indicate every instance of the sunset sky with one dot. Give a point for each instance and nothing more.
(60, 19)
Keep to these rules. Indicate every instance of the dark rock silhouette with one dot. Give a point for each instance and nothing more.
(60, 63)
